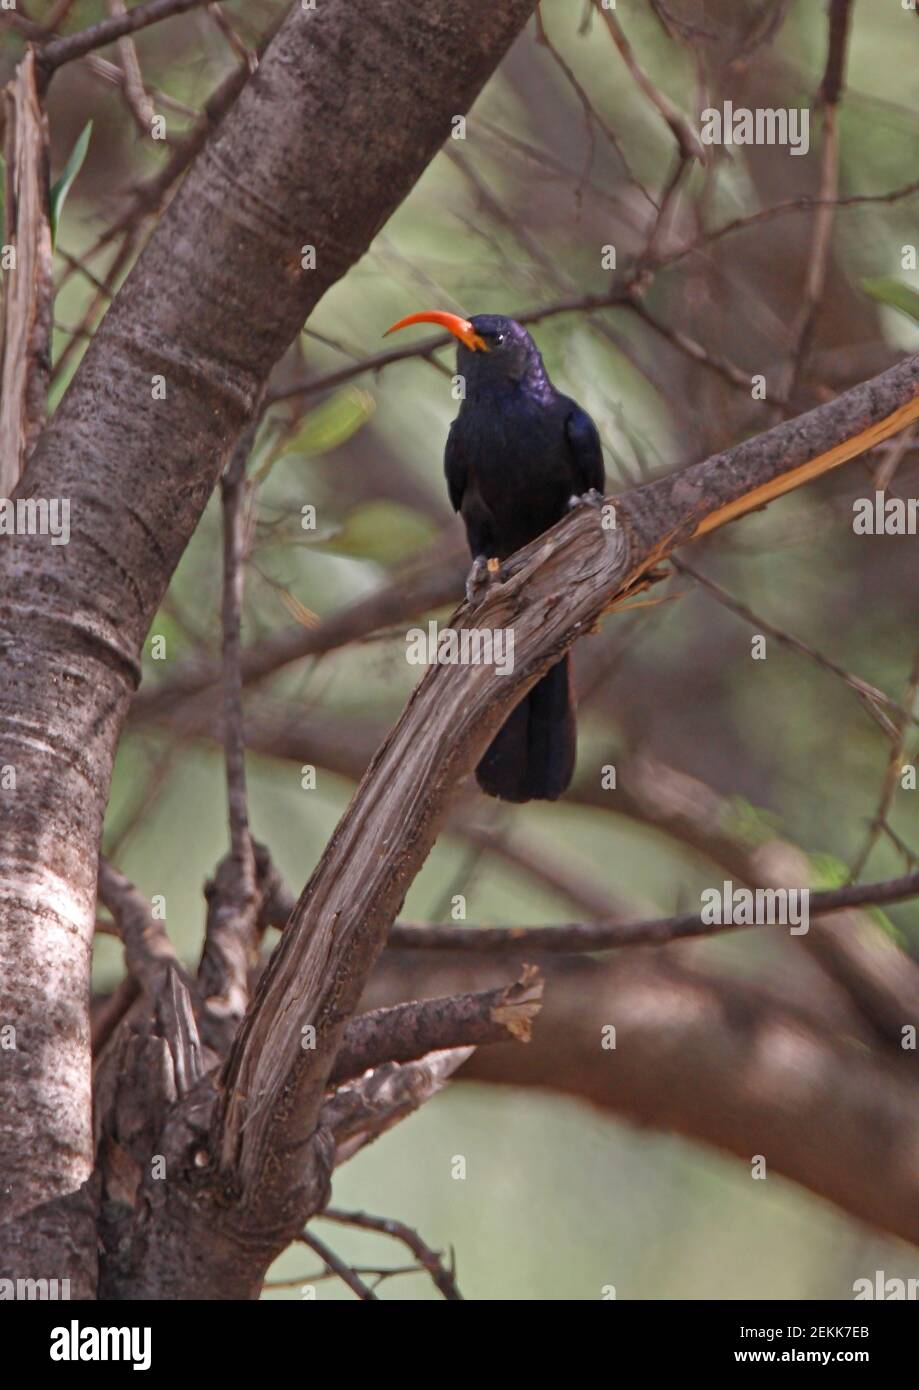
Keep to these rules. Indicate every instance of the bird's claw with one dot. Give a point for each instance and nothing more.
(591, 498)
(480, 577)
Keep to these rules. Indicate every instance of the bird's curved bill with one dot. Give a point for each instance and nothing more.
(460, 328)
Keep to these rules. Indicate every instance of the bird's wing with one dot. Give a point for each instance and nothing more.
(455, 467)
(586, 449)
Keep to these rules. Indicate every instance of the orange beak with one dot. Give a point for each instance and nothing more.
(460, 328)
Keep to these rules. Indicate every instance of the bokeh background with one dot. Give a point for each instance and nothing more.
(562, 156)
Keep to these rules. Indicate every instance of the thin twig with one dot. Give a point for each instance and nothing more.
(607, 935)
(892, 772)
(869, 694)
(338, 1266)
(591, 115)
(59, 51)
(443, 1278)
(686, 138)
(229, 33)
(830, 93)
(135, 93)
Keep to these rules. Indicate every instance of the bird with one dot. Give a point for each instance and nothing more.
(518, 457)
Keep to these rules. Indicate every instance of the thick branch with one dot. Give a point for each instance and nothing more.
(718, 1060)
(409, 1031)
(552, 591)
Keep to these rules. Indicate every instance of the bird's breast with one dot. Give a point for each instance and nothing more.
(518, 470)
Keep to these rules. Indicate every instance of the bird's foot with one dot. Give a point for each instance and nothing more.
(591, 498)
(481, 576)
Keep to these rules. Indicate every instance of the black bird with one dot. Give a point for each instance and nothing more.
(518, 456)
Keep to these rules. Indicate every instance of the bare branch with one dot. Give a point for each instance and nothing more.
(870, 695)
(149, 954)
(217, 14)
(607, 936)
(803, 204)
(407, 595)
(686, 138)
(840, 12)
(409, 1031)
(591, 115)
(388, 1226)
(59, 51)
(139, 103)
(362, 1110)
(338, 1266)
(718, 1059)
(892, 771)
(233, 899)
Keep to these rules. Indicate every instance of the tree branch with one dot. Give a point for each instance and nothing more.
(409, 1031)
(362, 1110)
(233, 899)
(719, 1060)
(429, 1259)
(56, 52)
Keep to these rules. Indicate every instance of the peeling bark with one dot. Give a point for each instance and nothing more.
(29, 290)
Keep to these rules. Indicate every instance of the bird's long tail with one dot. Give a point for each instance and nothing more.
(532, 755)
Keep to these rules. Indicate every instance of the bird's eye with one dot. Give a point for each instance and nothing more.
(499, 339)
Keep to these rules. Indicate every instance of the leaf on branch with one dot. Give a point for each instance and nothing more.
(329, 425)
(886, 290)
(63, 185)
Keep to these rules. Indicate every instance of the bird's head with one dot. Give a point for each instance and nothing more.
(492, 350)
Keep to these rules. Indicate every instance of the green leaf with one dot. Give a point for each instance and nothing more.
(385, 532)
(890, 928)
(753, 825)
(325, 427)
(887, 290)
(73, 166)
(827, 872)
